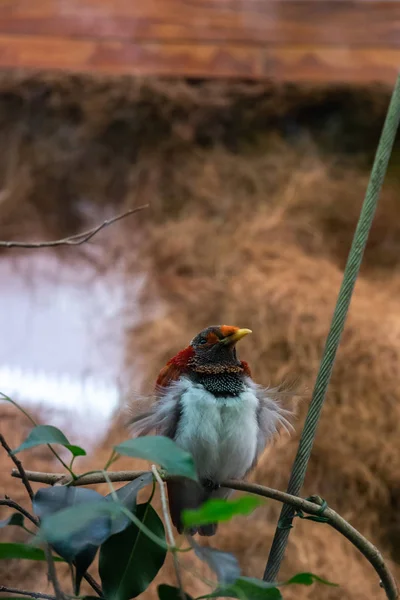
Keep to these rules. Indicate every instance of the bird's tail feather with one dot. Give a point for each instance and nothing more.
(187, 494)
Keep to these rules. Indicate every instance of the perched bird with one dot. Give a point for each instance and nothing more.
(208, 403)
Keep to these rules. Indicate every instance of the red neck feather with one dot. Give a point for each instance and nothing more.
(182, 358)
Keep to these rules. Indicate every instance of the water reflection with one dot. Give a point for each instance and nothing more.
(62, 340)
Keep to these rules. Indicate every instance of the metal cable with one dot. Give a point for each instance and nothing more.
(332, 343)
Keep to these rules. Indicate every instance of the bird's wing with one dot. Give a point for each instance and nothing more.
(163, 414)
(246, 368)
(171, 372)
(271, 417)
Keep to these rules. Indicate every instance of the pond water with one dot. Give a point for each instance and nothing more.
(62, 340)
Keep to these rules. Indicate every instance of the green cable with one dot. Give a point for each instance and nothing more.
(332, 343)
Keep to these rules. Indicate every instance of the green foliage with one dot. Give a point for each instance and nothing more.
(256, 589)
(47, 434)
(217, 510)
(162, 451)
(224, 564)
(130, 560)
(78, 545)
(15, 519)
(168, 592)
(127, 496)
(308, 579)
(78, 522)
(14, 550)
(249, 588)
(67, 526)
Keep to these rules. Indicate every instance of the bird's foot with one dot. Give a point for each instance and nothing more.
(210, 485)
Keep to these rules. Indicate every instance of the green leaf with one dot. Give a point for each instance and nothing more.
(73, 517)
(75, 450)
(160, 450)
(168, 592)
(47, 434)
(224, 564)
(307, 579)
(129, 560)
(127, 495)
(10, 550)
(75, 521)
(15, 519)
(248, 588)
(216, 510)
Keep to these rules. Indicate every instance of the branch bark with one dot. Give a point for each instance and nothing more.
(12, 504)
(78, 238)
(168, 527)
(52, 574)
(370, 552)
(19, 466)
(11, 590)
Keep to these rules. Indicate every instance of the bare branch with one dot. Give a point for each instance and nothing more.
(11, 590)
(93, 583)
(12, 504)
(370, 552)
(168, 526)
(52, 478)
(52, 574)
(19, 466)
(78, 238)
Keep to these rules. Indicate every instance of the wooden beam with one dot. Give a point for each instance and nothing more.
(345, 23)
(285, 63)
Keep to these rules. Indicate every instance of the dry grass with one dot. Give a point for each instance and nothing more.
(250, 230)
(260, 242)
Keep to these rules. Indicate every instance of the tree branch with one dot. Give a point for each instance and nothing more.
(11, 590)
(168, 527)
(52, 574)
(12, 504)
(370, 552)
(19, 466)
(52, 478)
(78, 238)
(93, 583)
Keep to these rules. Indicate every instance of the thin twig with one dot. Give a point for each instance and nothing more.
(19, 466)
(370, 552)
(93, 583)
(168, 526)
(12, 504)
(28, 416)
(52, 574)
(11, 590)
(73, 240)
(164, 504)
(96, 477)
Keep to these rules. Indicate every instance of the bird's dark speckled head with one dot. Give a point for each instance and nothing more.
(215, 363)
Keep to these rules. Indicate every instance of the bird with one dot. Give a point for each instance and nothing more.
(207, 402)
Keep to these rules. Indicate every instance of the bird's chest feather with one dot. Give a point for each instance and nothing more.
(220, 432)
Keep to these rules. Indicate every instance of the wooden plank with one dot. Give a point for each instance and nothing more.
(287, 63)
(125, 57)
(371, 23)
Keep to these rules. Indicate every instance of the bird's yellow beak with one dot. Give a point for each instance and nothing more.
(235, 337)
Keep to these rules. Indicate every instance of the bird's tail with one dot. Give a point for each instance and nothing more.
(187, 494)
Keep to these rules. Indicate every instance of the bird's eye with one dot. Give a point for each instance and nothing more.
(203, 341)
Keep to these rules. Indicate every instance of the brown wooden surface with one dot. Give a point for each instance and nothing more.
(290, 40)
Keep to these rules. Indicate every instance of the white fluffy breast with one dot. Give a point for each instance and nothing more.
(221, 433)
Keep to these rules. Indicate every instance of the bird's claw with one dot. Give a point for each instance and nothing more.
(210, 485)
